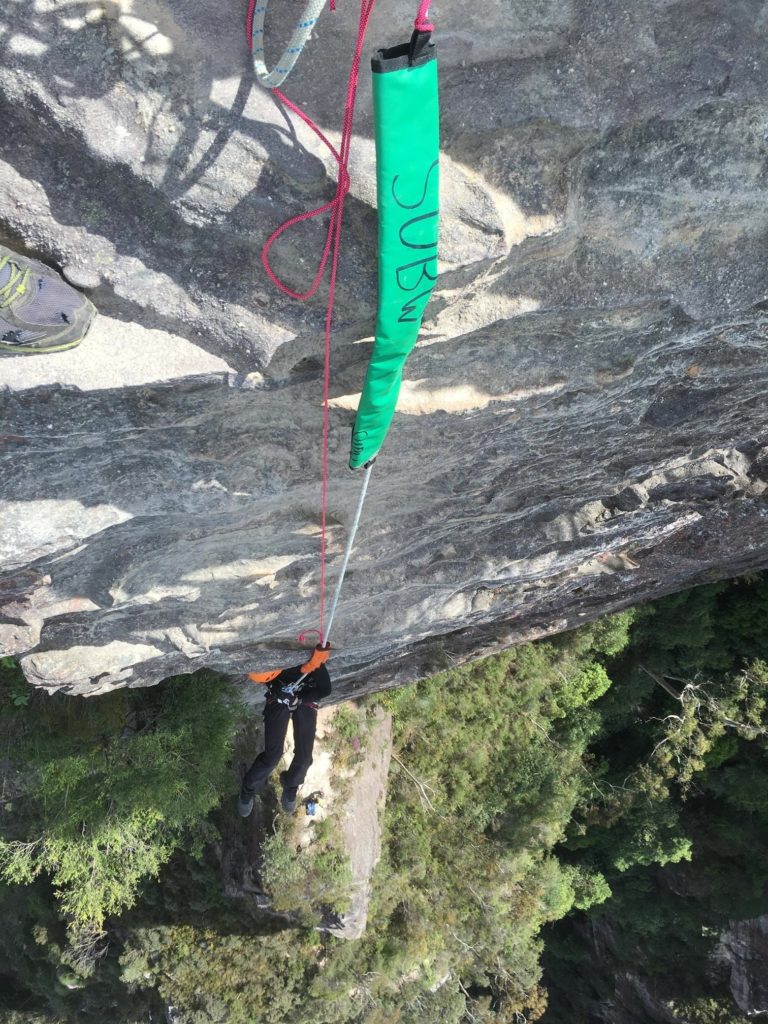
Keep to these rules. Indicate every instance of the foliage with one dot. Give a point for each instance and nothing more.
(617, 771)
(681, 776)
(17, 691)
(347, 740)
(603, 638)
(215, 977)
(589, 684)
(105, 793)
(347, 723)
(306, 882)
(489, 766)
(707, 1011)
(590, 888)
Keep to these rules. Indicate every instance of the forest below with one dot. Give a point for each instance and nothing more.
(611, 781)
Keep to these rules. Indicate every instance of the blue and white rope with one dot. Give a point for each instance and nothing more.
(343, 571)
(303, 30)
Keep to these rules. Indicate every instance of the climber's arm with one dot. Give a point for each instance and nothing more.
(319, 657)
(264, 677)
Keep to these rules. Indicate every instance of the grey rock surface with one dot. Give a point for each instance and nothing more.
(361, 823)
(743, 948)
(582, 427)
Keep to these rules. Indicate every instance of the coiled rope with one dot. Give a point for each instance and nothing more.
(255, 28)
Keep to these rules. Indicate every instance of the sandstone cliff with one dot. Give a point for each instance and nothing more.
(583, 425)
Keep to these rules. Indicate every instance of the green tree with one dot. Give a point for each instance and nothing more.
(106, 790)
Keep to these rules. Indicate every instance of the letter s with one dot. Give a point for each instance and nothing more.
(412, 206)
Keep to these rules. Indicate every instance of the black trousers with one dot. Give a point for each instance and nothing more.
(276, 718)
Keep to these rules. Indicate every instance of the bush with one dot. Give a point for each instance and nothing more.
(310, 881)
(108, 788)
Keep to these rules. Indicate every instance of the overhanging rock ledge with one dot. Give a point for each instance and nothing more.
(583, 425)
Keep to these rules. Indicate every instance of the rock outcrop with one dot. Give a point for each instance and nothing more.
(361, 822)
(743, 948)
(348, 783)
(582, 427)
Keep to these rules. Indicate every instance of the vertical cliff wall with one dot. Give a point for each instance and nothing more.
(582, 427)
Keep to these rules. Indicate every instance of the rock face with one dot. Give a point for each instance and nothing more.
(361, 823)
(583, 425)
(610, 996)
(743, 947)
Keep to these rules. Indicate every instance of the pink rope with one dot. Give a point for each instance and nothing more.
(342, 187)
(302, 638)
(330, 251)
(249, 24)
(333, 236)
(422, 23)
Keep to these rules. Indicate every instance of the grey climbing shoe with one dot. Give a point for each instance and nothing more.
(39, 312)
(288, 798)
(245, 803)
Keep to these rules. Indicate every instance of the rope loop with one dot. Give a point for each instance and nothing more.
(334, 206)
(303, 637)
(257, 10)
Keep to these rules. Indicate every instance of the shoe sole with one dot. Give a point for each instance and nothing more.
(19, 350)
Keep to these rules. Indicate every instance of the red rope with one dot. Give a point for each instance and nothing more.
(333, 236)
(330, 249)
(422, 23)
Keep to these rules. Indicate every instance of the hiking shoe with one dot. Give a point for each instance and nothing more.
(38, 311)
(245, 803)
(288, 797)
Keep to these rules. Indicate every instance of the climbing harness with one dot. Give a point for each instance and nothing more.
(406, 118)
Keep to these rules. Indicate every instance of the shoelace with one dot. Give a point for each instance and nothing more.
(16, 283)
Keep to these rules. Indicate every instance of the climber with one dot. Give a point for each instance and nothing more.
(293, 693)
(39, 312)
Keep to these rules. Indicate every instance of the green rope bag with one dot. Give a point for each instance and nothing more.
(406, 118)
